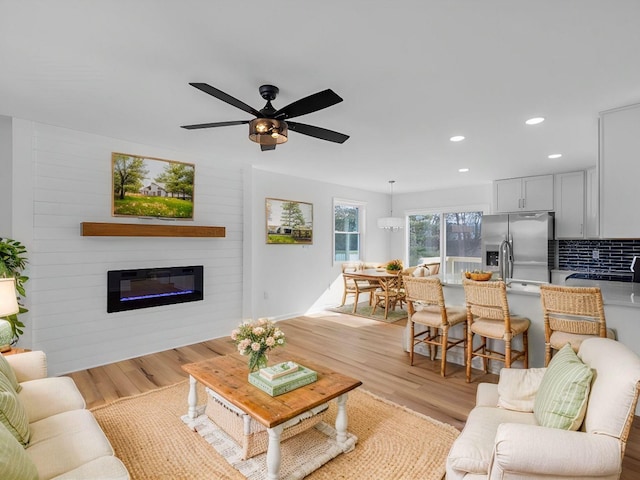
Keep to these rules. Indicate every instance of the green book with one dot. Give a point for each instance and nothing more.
(279, 370)
(303, 376)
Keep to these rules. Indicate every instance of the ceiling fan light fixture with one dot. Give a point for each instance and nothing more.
(268, 131)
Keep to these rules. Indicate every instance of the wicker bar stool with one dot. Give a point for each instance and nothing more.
(571, 315)
(488, 316)
(426, 294)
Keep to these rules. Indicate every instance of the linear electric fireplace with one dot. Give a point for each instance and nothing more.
(151, 287)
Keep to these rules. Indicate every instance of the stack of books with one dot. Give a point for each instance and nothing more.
(282, 378)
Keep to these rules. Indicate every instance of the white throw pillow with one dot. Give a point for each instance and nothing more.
(517, 388)
(419, 272)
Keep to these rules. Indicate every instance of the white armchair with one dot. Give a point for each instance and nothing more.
(503, 438)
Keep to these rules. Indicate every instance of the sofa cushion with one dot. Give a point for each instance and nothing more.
(38, 402)
(561, 401)
(473, 449)
(517, 388)
(8, 372)
(15, 464)
(66, 441)
(102, 468)
(613, 392)
(12, 413)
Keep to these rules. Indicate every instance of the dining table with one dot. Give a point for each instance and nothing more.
(381, 276)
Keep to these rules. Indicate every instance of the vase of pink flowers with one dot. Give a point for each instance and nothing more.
(256, 339)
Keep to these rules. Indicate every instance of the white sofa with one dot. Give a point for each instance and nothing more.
(508, 442)
(63, 439)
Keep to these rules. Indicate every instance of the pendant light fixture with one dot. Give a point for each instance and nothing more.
(391, 223)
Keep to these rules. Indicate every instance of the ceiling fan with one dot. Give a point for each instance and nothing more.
(271, 126)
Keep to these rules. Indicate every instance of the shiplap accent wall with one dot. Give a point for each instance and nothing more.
(6, 175)
(67, 290)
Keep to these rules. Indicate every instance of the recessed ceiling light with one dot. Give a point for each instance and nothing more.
(457, 138)
(463, 170)
(534, 120)
(555, 155)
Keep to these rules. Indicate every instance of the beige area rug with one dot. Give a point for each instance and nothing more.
(148, 435)
(365, 310)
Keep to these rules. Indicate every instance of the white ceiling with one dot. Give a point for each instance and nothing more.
(411, 73)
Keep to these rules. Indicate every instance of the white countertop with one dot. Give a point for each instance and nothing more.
(625, 294)
(613, 293)
(513, 286)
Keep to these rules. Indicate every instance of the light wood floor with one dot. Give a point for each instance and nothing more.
(365, 349)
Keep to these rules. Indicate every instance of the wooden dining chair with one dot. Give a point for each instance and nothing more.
(425, 300)
(571, 315)
(488, 316)
(389, 294)
(356, 287)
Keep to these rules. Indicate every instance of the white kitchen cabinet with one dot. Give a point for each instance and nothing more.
(619, 171)
(525, 194)
(592, 204)
(569, 198)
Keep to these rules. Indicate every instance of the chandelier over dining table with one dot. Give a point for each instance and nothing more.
(391, 223)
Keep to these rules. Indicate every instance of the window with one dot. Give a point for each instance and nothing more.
(454, 237)
(347, 220)
(424, 237)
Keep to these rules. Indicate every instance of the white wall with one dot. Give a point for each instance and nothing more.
(298, 279)
(62, 178)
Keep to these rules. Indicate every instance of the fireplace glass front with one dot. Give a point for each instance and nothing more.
(151, 287)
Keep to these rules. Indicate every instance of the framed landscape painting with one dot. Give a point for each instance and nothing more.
(289, 222)
(152, 187)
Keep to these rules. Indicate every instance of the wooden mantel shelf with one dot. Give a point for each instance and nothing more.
(93, 229)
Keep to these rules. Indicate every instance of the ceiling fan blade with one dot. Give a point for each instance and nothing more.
(264, 148)
(309, 104)
(317, 132)
(215, 124)
(225, 97)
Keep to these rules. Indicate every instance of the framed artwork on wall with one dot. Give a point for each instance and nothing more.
(289, 222)
(151, 187)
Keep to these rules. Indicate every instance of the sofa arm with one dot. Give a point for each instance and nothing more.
(532, 450)
(28, 365)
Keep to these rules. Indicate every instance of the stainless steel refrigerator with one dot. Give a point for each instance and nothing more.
(519, 246)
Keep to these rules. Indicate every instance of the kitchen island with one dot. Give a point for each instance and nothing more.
(621, 305)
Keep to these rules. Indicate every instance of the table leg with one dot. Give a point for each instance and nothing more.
(192, 399)
(341, 419)
(273, 453)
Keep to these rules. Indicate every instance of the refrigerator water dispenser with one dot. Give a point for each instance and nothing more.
(492, 258)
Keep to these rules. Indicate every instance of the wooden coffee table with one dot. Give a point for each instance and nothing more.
(227, 377)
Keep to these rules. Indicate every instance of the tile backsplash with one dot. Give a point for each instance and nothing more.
(598, 256)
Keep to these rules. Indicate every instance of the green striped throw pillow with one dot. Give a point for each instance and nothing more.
(12, 413)
(15, 462)
(8, 372)
(561, 401)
